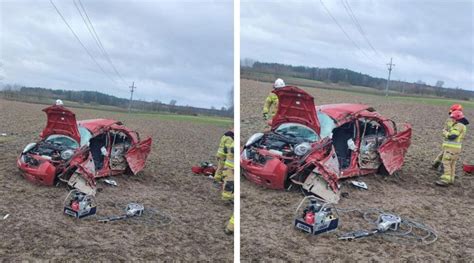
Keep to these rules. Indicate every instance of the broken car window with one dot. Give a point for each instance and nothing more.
(327, 124)
(295, 130)
(63, 141)
(85, 135)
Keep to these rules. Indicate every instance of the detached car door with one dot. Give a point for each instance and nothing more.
(137, 155)
(393, 150)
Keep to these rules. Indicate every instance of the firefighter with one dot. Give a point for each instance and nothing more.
(452, 145)
(447, 124)
(226, 140)
(229, 228)
(271, 102)
(228, 186)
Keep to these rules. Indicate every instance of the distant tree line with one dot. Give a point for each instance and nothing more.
(37, 94)
(346, 76)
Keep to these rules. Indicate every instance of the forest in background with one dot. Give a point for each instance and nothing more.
(346, 77)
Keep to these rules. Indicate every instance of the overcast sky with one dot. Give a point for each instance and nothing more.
(428, 40)
(179, 50)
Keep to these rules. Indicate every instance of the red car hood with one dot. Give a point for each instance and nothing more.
(295, 105)
(60, 121)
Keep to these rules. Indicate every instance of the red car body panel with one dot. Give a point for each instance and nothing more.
(137, 155)
(96, 126)
(274, 173)
(60, 120)
(343, 111)
(43, 174)
(295, 105)
(393, 151)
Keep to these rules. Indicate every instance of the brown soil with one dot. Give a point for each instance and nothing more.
(37, 229)
(267, 215)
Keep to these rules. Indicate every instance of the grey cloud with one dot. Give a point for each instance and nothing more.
(429, 40)
(179, 50)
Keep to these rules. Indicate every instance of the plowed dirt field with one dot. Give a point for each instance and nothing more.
(267, 215)
(37, 230)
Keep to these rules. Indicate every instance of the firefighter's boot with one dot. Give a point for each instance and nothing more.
(229, 228)
(450, 158)
(228, 187)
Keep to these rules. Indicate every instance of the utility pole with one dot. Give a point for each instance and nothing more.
(390, 66)
(132, 89)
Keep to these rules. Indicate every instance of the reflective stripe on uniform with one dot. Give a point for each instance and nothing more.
(229, 164)
(456, 145)
(224, 142)
(459, 130)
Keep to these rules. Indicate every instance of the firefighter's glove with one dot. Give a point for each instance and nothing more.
(445, 133)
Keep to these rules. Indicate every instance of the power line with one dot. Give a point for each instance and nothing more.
(345, 33)
(96, 38)
(359, 28)
(80, 42)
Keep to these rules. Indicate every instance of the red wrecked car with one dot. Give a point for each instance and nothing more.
(79, 152)
(315, 147)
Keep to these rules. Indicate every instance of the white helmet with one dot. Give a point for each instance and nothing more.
(59, 102)
(279, 83)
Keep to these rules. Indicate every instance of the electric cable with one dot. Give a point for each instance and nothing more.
(95, 36)
(80, 42)
(345, 33)
(412, 228)
(358, 26)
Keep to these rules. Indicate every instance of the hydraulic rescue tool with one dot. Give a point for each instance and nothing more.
(384, 223)
(132, 210)
(78, 204)
(317, 217)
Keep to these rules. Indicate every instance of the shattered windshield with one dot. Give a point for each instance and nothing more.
(327, 124)
(62, 140)
(85, 135)
(296, 130)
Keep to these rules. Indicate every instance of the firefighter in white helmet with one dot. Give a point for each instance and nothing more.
(271, 102)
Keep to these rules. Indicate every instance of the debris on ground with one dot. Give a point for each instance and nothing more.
(110, 182)
(360, 185)
(5, 216)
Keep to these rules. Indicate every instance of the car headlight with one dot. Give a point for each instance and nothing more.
(67, 154)
(302, 148)
(244, 154)
(253, 139)
(29, 147)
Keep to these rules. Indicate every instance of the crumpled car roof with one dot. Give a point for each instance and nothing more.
(343, 110)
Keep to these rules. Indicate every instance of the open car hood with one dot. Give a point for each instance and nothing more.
(60, 121)
(295, 105)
